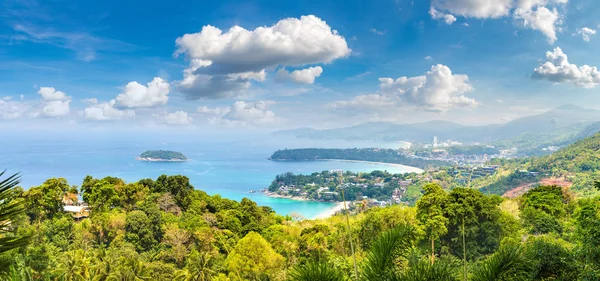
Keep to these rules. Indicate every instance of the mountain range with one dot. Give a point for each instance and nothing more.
(569, 119)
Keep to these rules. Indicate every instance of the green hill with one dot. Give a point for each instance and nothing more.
(577, 164)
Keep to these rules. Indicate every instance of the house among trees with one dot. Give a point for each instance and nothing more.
(77, 212)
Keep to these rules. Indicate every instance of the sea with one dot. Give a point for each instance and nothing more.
(229, 166)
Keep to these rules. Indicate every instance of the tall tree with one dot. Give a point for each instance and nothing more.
(430, 212)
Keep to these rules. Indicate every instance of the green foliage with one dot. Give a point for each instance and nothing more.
(358, 154)
(508, 264)
(163, 155)
(253, 257)
(383, 257)
(316, 271)
(45, 201)
(10, 209)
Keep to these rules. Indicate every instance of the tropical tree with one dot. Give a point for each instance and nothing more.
(316, 270)
(385, 251)
(198, 268)
(430, 211)
(10, 208)
(509, 263)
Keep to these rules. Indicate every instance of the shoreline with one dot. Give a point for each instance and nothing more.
(339, 206)
(409, 168)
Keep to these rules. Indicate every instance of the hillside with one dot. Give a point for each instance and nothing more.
(577, 164)
(563, 120)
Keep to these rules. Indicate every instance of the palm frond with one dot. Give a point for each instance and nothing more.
(9, 209)
(509, 263)
(381, 260)
(423, 270)
(316, 271)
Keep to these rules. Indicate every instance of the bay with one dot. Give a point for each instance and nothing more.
(229, 166)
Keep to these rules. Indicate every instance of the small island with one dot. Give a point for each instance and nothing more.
(162, 156)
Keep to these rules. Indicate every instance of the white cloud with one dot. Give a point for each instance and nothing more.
(136, 95)
(302, 76)
(51, 94)
(106, 111)
(437, 15)
(218, 59)
(375, 31)
(11, 109)
(541, 19)
(558, 69)
(586, 33)
(428, 58)
(474, 8)
(53, 103)
(541, 15)
(241, 113)
(176, 118)
(437, 90)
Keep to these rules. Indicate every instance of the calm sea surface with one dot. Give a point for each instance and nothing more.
(230, 167)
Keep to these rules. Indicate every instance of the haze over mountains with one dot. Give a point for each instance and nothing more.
(567, 119)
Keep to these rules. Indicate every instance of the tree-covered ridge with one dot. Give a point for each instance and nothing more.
(383, 155)
(162, 155)
(578, 164)
(163, 229)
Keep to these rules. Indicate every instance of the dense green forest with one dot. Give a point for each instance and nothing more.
(361, 154)
(163, 154)
(578, 163)
(164, 229)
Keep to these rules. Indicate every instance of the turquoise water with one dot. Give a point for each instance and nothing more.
(229, 167)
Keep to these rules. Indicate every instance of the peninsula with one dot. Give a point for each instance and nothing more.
(162, 156)
(380, 155)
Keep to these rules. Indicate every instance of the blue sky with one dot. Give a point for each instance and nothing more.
(292, 63)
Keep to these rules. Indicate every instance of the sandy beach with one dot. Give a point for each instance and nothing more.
(338, 207)
(407, 168)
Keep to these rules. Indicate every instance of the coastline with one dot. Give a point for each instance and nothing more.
(409, 169)
(147, 159)
(339, 206)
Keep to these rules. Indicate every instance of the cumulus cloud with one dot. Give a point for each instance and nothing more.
(437, 15)
(222, 63)
(176, 118)
(438, 90)
(241, 113)
(136, 95)
(540, 15)
(53, 103)
(586, 33)
(106, 111)
(558, 69)
(302, 76)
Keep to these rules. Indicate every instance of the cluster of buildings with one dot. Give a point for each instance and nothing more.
(77, 208)
(464, 174)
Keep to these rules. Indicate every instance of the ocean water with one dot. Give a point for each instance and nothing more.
(230, 167)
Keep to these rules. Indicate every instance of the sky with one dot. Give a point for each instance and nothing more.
(269, 65)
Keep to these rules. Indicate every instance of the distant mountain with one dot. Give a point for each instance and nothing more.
(550, 121)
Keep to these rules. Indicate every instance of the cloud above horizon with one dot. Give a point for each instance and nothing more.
(241, 113)
(558, 69)
(222, 64)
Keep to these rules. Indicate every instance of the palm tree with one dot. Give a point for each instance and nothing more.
(198, 268)
(9, 209)
(385, 251)
(597, 185)
(316, 271)
(384, 262)
(509, 263)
